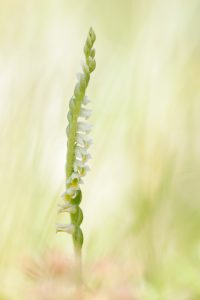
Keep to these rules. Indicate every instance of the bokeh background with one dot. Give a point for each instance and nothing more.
(142, 198)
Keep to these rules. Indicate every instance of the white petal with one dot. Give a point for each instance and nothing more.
(82, 154)
(71, 209)
(84, 170)
(86, 157)
(81, 167)
(72, 177)
(86, 100)
(80, 151)
(69, 228)
(85, 113)
(68, 192)
(76, 175)
(66, 204)
(83, 140)
(87, 143)
(79, 163)
(84, 127)
(67, 207)
(80, 140)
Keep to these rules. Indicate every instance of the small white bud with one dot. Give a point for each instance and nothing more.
(86, 100)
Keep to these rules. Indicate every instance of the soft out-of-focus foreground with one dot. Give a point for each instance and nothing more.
(141, 200)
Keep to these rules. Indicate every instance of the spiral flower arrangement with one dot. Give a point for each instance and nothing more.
(77, 148)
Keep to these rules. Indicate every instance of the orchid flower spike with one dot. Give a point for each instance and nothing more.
(77, 147)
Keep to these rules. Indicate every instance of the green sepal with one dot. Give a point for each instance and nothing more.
(92, 53)
(77, 91)
(77, 218)
(92, 34)
(91, 64)
(86, 50)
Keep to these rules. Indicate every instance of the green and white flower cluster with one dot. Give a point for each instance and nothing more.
(77, 147)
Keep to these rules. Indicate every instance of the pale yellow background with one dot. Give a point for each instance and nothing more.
(142, 197)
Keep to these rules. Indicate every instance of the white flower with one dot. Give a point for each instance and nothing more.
(69, 228)
(83, 140)
(67, 192)
(67, 207)
(80, 151)
(80, 138)
(87, 143)
(84, 170)
(70, 192)
(79, 141)
(86, 157)
(81, 167)
(84, 127)
(82, 154)
(79, 163)
(85, 113)
(78, 154)
(74, 180)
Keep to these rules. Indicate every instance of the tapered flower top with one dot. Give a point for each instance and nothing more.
(78, 142)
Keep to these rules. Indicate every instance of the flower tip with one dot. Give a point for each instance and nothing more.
(92, 34)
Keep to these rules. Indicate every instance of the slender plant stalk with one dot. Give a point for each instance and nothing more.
(77, 151)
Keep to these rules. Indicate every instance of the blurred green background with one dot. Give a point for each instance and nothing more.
(142, 198)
